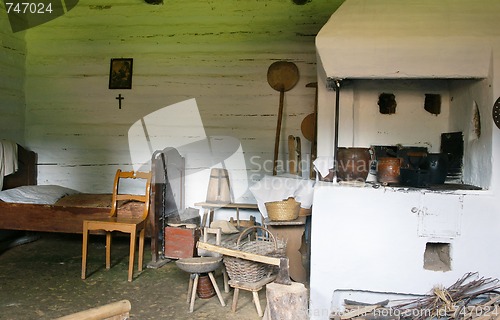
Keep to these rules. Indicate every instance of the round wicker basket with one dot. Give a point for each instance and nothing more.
(247, 270)
(285, 210)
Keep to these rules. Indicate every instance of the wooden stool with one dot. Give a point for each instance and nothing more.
(254, 287)
(208, 262)
(195, 266)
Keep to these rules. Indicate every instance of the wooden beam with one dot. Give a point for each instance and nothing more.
(239, 254)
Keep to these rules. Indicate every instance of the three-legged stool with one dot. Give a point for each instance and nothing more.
(195, 266)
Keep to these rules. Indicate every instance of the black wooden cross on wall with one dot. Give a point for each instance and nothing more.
(120, 98)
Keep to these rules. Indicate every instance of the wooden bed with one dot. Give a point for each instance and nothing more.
(167, 197)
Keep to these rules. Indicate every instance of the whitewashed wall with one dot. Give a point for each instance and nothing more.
(361, 123)
(217, 52)
(12, 62)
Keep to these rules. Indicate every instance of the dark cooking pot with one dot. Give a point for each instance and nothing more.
(437, 165)
(414, 177)
(433, 171)
(412, 157)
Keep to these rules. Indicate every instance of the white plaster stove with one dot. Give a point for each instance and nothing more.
(370, 242)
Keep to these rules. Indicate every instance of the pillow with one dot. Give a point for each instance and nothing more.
(43, 194)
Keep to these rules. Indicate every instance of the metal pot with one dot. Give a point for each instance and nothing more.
(437, 165)
(414, 177)
(412, 157)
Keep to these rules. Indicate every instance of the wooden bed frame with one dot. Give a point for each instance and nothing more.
(167, 192)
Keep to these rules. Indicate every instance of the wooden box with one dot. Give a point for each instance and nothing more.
(181, 242)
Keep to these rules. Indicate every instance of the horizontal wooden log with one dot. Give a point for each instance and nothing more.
(115, 310)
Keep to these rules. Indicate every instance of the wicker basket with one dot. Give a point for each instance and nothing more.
(285, 210)
(247, 270)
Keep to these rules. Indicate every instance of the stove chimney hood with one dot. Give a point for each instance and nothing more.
(410, 39)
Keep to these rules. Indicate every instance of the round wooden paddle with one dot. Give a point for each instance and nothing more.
(308, 126)
(281, 76)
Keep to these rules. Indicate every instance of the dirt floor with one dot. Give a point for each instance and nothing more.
(41, 280)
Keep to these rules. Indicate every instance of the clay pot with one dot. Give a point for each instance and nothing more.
(353, 164)
(388, 170)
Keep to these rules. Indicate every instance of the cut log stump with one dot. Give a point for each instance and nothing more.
(286, 302)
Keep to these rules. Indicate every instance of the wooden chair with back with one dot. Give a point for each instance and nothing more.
(132, 221)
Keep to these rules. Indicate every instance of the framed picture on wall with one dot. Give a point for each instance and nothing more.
(120, 73)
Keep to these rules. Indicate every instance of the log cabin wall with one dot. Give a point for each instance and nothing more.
(217, 52)
(12, 62)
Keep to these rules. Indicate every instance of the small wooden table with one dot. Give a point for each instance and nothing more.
(211, 206)
(292, 232)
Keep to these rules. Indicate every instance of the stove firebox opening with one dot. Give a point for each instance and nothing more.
(437, 256)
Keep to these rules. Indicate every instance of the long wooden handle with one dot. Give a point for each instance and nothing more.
(314, 143)
(298, 152)
(315, 134)
(337, 121)
(291, 154)
(278, 131)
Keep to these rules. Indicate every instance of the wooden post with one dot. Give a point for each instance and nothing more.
(286, 302)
